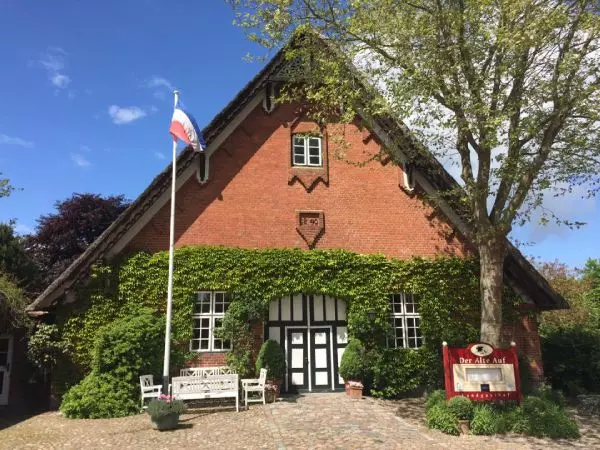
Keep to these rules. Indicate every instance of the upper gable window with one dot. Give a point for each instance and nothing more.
(307, 150)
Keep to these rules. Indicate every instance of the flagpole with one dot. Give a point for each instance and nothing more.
(165, 385)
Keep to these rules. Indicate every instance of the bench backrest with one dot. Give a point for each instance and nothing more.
(213, 384)
(146, 381)
(204, 372)
(262, 378)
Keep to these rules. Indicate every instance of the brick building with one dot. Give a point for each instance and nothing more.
(270, 178)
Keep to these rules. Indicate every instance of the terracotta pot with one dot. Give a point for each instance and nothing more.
(464, 426)
(353, 391)
(273, 394)
(168, 422)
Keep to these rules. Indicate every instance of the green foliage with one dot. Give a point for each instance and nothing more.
(447, 288)
(542, 418)
(439, 417)
(45, 347)
(572, 359)
(123, 350)
(14, 259)
(99, 395)
(398, 371)
(271, 357)
(352, 366)
(158, 408)
(5, 187)
(461, 407)
(12, 305)
(434, 398)
(130, 347)
(484, 420)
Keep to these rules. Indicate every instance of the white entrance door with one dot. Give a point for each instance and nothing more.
(5, 360)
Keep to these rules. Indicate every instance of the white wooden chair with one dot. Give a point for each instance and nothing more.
(255, 385)
(148, 388)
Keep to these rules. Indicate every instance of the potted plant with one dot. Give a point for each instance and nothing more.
(352, 368)
(164, 412)
(271, 358)
(462, 408)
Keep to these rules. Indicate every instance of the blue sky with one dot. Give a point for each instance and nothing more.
(85, 91)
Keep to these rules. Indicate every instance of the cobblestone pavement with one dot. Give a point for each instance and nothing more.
(326, 421)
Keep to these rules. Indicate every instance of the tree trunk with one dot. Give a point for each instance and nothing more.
(491, 256)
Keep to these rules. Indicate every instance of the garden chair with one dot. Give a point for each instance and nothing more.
(255, 385)
(148, 388)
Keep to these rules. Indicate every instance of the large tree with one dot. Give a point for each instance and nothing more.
(14, 259)
(62, 236)
(509, 87)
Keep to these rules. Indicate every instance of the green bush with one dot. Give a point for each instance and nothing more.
(484, 420)
(130, 347)
(99, 396)
(161, 407)
(572, 359)
(461, 407)
(352, 366)
(45, 347)
(543, 418)
(435, 397)
(545, 392)
(271, 357)
(397, 371)
(439, 417)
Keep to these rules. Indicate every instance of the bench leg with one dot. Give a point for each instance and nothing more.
(263, 396)
(237, 403)
(246, 398)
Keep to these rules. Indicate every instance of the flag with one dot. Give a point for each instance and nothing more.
(185, 128)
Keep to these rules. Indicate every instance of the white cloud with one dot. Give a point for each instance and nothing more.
(54, 61)
(153, 109)
(160, 85)
(85, 148)
(13, 140)
(122, 115)
(159, 155)
(22, 229)
(79, 160)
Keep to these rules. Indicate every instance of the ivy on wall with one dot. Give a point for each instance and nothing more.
(448, 289)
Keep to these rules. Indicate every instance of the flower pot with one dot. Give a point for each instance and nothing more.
(272, 390)
(167, 422)
(464, 426)
(354, 389)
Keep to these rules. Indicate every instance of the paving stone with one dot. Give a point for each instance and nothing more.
(312, 421)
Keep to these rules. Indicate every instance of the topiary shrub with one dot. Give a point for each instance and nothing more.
(484, 420)
(461, 407)
(130, 347)
(434, 398)
(439, 417)
(123, 350)
(100, 396)
(45, 347)
(271, 357)
(352, 366)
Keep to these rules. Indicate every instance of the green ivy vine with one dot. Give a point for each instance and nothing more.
(448, 289)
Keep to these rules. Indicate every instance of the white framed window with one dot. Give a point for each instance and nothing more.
(307, 150)
(406, 321)
(207, 315)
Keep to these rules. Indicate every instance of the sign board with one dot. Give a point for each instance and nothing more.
(482, 372)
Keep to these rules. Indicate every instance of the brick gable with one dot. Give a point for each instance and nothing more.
(251, 200)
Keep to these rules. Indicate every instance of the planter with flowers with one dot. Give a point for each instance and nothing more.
(271, 358)
(352, 368)
(164, 412)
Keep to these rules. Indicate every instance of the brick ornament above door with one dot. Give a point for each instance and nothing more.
(310, 225)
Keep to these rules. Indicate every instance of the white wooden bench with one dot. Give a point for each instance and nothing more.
(199, 388)
(205, 372)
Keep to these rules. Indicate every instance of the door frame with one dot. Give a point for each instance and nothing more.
(309, 349)
(4, 395)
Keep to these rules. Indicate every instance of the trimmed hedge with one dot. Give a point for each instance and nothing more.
(352, 365)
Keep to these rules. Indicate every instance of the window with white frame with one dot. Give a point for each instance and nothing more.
(406, 321)
(307, 150)
(208, 313)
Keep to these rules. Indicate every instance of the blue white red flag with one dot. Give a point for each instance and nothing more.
(185, 128)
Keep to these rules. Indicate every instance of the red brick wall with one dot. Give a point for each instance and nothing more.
(524, 332)
(249, 203)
